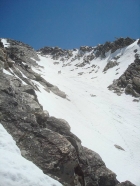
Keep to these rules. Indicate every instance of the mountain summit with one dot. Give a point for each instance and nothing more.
(74, 114)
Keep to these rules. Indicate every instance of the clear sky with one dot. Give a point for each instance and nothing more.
(69, 23)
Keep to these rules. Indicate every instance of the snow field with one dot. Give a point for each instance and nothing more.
(100, 121)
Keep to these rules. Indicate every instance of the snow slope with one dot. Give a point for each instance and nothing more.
(96, 115)
(16, 170)
(5, 43)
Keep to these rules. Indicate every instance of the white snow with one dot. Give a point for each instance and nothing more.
(5, 43)
(101, 121)
(6, 72)
(15, 170)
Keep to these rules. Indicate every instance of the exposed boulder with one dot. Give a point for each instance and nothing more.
(119, 147)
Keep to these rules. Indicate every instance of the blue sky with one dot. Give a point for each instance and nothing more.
(69, 24)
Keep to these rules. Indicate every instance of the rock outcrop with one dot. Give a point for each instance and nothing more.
(110, 64)
(100, 50)
(19, 60)
(57, 53)
(129, 81)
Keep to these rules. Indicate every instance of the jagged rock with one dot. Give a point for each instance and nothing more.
(19, 58)
(100, 175)
(1, 65)
(19, 50)
(2, 58)
(56, 52)
(1, 44)
(110, 64)
(58, 92)
(10, 62)
(100, 50)
(137, 56)
(86, 48)
(136, 81)
(130, 79)
(116, 57)
(2, 55)
(58, 125)
(138, 42)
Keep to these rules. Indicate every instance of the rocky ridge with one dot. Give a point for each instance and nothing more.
(20, 60)
(129, 81)
(46, 141)
(98, 51)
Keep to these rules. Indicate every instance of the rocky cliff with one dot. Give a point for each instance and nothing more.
(129, 81)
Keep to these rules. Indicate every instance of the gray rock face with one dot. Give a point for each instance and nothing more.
(19, 59)
(136, 81)
(110, 64)
(118, 147)
(118, 43)
(19, 52)
(58, 92)
(58, 53)
(138, 42)
(130, 80)
(99, 51)
(55, 52)
(86, 48)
